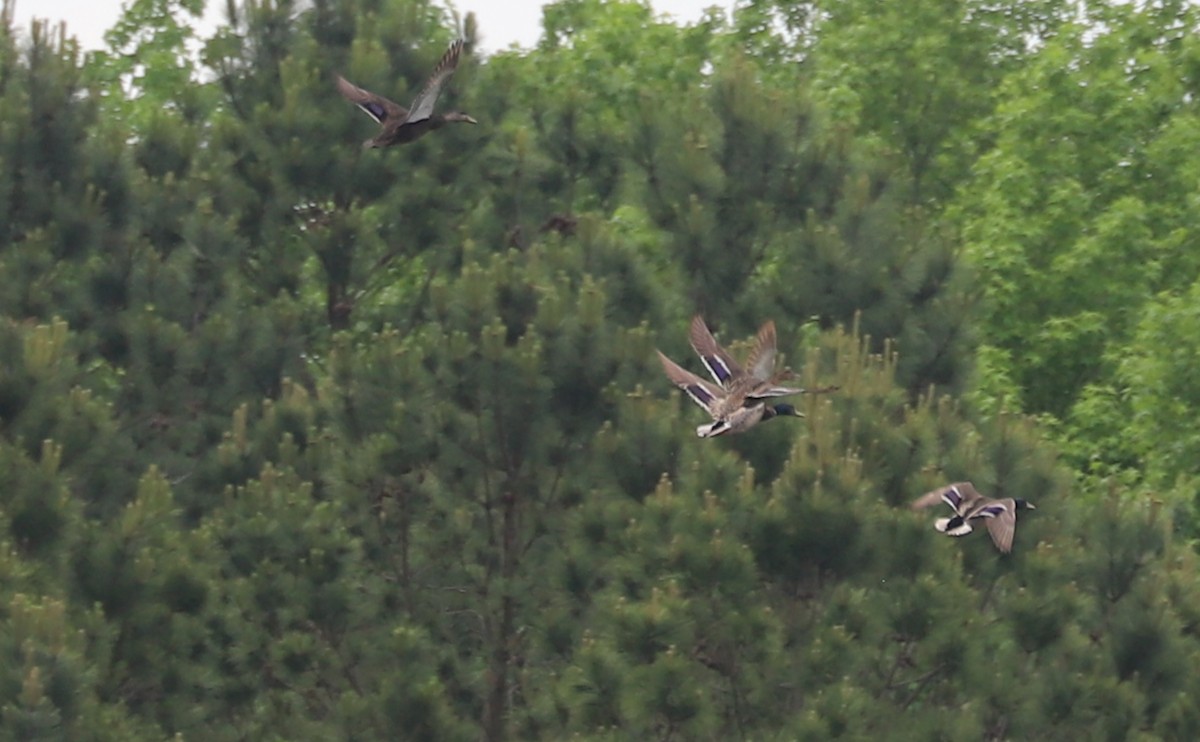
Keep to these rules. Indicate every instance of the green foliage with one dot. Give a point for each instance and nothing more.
(920, 76)
(1077, 223)
(1159, 374)
(149, 56)
(304, 442)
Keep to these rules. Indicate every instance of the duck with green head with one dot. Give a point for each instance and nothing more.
(968, 505)
(737, 401)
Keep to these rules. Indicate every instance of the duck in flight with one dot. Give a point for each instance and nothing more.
(968, 505)
(738, 399)
(397, 124)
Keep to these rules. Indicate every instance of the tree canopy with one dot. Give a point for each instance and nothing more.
(302, 441)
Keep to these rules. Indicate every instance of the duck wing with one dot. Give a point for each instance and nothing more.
(376, 106)
(761, 362)
(763, 391)
(422, 106)
(959, 496)
(1001, 521)
(716, 359)
(704, 393)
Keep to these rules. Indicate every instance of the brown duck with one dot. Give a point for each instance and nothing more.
(397, 124)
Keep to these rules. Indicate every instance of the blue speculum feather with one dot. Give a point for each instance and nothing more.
(718, 369)
(700, 394)
(952, 497)
(375, 110)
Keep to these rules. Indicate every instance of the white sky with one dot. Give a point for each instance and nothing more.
(501, 22)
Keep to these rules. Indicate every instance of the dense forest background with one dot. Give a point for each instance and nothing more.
(305, 442)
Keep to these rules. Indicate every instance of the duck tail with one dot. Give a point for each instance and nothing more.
(708, 430)
(952, 526)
